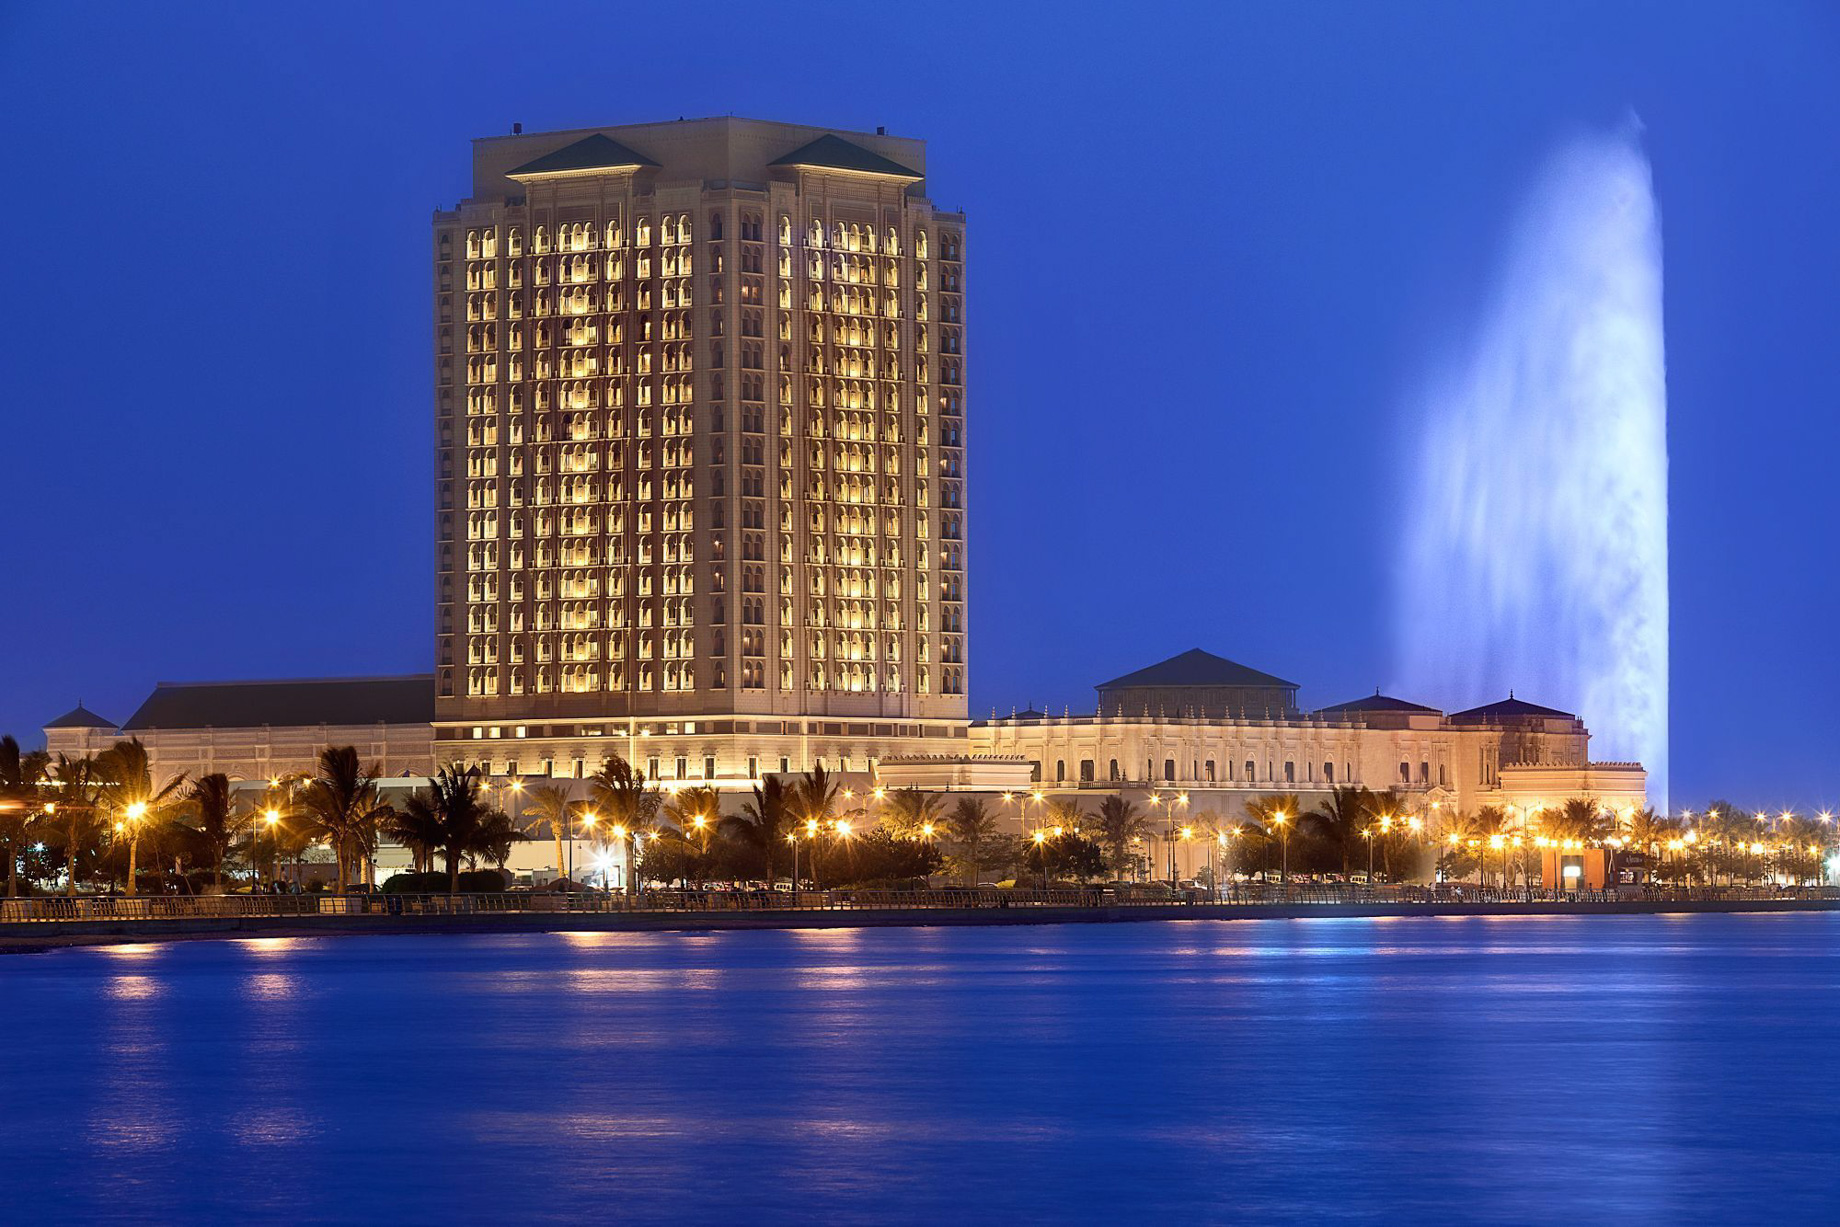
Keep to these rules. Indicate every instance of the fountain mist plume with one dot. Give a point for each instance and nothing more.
(1536, 541)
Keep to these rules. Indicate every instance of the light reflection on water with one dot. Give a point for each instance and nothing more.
(1443, 1069)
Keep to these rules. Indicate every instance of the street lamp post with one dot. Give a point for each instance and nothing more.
(1181, 799)
(274, 844)
(587, 824)
(133, 815)
(1284, 849)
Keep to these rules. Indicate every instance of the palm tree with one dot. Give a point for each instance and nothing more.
(974, 829)
(763, 821)
(1340, 818)
(1119, 826)
(344, 807)
(1650, 832)
(215, 821)
(492, 841)
(139, 804)
(815, 797)
(621, 794)
(911, 814)
(417, 827)
(1065, 812)
(454, 796)
(1578, 818)
(547, 807)
(19, 804)
(78, 794)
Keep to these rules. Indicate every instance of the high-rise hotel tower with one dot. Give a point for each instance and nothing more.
(700, 426)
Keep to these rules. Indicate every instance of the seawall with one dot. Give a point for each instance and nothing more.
(52, 934)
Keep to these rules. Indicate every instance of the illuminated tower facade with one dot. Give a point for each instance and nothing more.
(700, 426)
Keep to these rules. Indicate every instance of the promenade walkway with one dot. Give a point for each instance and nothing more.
(36, 923)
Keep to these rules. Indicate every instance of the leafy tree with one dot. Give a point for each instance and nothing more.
(668, 860)
(1065, 856)
(878, 856)
(343, 806)
(1250, 849)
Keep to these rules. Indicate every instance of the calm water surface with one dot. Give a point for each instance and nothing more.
(1654, 1069)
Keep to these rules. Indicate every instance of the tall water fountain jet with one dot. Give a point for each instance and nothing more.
(1536, 544)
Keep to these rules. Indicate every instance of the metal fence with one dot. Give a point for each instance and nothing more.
(168, 907)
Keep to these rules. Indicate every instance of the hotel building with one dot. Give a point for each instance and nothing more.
(699, 407)
(699, 396)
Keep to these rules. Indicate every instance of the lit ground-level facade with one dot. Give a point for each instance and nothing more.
(1513, 754)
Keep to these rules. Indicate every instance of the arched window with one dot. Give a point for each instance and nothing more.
(1290, 773)
(1328, 773)
(1405, 773)
(1169, 768)
(1114, 774)
(1060, 771)
(1252, 771)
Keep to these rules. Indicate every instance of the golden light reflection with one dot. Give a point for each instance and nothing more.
(273, 986)
(133, 987)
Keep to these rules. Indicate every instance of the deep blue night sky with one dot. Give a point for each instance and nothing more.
(1213, 248)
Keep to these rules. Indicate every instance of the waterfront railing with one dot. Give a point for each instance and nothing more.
(1250, 895)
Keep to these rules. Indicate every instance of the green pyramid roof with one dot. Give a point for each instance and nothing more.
(595, 152)
(835, 153)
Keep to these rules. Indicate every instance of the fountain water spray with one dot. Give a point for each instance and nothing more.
(1536, 540)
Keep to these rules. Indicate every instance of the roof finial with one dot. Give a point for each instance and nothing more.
(1510, 692)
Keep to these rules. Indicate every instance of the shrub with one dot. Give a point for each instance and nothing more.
(472, 882)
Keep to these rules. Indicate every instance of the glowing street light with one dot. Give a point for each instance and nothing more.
(133, 815)
(272, 817)
(1284, 846)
